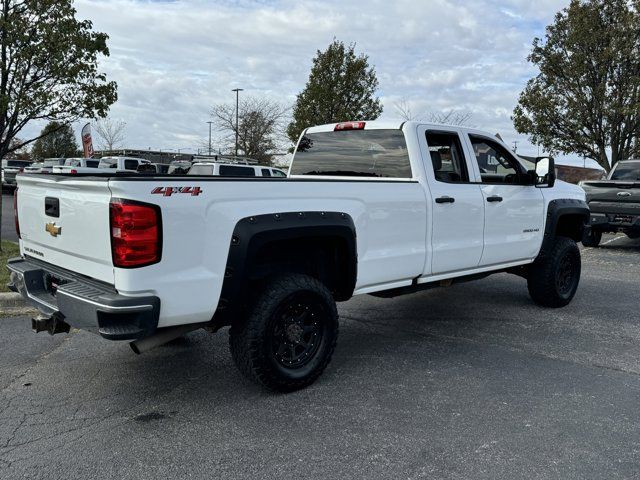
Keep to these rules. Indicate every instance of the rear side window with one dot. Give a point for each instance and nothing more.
(279, 173)
(234, 171)
(266, 172)
(201, 170)
(93, 163)
(353, 153)
(447, 158)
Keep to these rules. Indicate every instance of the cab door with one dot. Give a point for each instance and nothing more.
(457, 205)
(514, 209)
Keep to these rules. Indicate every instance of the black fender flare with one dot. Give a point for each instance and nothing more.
(555, 211)
(252, 233)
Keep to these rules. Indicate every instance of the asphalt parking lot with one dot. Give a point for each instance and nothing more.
(469, 382)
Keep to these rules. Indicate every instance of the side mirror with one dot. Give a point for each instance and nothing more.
(545, 172)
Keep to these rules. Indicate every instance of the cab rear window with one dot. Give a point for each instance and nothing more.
(353, 153)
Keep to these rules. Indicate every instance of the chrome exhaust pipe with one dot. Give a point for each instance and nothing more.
(163, 336)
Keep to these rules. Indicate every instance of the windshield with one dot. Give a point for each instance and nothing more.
(354, 153)
(626, 171)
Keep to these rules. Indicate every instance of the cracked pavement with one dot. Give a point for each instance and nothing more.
(472, 381)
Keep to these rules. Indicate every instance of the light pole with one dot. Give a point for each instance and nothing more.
(209, 137)
(237, 90)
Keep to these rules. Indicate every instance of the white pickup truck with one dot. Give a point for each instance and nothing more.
(369, 208)
(78, 165)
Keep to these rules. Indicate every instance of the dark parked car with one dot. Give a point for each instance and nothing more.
(614, 203)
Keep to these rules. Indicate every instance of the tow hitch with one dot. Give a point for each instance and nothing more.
(53, 324)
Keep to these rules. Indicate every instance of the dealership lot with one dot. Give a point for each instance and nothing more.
(473, 381)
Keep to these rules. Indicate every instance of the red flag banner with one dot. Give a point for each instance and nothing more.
(87, 143)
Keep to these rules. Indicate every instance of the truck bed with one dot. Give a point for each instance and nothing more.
(196, 241)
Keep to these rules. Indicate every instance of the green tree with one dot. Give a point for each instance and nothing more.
(56, 141)
(341, 87)
(48, 68)
(20, 153)
(586, 98)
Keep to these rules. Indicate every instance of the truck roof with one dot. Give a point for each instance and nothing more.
(394, 125)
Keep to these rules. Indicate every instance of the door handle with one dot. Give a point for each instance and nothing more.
(494, 198)
(445, 199)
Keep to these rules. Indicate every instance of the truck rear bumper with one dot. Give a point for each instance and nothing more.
(83, 303)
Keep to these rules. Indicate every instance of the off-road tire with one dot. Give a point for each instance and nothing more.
(554, 277)
(591, 238)
(252, 340)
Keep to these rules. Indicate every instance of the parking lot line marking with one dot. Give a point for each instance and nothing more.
(612, 240)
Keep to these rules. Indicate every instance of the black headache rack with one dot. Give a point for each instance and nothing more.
(64, 297)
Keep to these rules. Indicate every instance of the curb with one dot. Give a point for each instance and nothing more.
(12, 303)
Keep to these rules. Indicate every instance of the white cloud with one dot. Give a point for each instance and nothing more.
(173, 60)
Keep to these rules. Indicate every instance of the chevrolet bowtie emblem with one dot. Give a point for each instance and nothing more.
(53, 229)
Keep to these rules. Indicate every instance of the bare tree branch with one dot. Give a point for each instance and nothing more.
(110, 133)
(262, 127)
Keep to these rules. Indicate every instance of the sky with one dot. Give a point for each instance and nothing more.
(173, 60)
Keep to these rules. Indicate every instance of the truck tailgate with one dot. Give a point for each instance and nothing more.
(65, 221)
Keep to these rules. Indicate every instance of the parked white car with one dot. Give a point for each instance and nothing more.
(368, 208)
(234, 170)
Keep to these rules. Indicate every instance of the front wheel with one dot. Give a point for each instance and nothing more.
(591, 237)
(288, 337)
(553, 279)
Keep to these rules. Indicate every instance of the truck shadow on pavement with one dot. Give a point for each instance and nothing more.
(437, 327)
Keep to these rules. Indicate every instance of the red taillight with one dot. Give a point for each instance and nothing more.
(73, 170)
(349, 126)
(135, 233)
(21, 170)
(15, 211)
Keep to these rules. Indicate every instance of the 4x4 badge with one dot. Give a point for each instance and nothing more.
(53, 229)
(168, 191)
